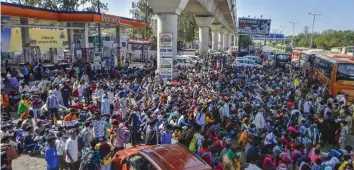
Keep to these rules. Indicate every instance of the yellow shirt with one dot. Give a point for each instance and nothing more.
(106, 159)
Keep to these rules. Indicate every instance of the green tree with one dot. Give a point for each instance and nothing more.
(187, 27)
(245, 41)
(142, 11)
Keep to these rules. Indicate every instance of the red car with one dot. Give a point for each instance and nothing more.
(158, 157)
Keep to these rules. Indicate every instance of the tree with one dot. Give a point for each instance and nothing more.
(142, 11)
(245, 41)
(187, 27)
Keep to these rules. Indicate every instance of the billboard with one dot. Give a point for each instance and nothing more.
(253, 26)
(44, 38)
(270, 36)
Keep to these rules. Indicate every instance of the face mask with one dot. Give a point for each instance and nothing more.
(349, 161)
(238, 154)
(305, 150)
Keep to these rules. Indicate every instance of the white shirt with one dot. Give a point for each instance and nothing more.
(226, 110)
(72, 148)
(57, 93)
(82, 88)
(60, 145)
(307, 107)
(24, 89)
(252, 167)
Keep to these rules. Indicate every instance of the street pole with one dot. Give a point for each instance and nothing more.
(99, 29)
(282, 31)
(292, 40)
(313, 27)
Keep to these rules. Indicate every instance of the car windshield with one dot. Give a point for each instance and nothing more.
(283, 57)
(345, 72)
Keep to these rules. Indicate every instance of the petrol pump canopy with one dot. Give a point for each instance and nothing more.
(26, 16)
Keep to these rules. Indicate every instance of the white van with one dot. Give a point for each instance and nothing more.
(242, 62)
(232, 50)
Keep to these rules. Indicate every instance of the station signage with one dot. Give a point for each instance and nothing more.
(165, 53)
(110, 19)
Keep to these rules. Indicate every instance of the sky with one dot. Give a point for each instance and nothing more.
(335, 14)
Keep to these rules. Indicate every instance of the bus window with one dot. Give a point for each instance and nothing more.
(345, 72)
(304, 57)
(324, 67)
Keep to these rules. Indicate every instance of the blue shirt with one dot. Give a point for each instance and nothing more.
(25, 70)
(166, 137)
(51, 157)
(105, 106)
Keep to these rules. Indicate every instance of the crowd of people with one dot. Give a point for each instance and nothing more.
(232, 118)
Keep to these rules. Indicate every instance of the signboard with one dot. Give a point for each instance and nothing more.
(166, 60)
(253, 26)
(110, 19)
(270, 36)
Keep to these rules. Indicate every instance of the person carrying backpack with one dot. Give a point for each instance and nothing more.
(8, 153)
(207, 156)
(90, 158)
(186, 137)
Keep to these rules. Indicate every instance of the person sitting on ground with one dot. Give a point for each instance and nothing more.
(9, 152)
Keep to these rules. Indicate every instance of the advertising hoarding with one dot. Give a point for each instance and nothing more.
(253, 26)
(166, 60)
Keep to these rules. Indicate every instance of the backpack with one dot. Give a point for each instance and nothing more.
(4, 156)
(214, 163)
(87, 161)
(192, 144)
(182, 139)
(80, 140)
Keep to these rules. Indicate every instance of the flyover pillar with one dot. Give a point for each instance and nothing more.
(230, 39)
(222, 39)
(24, 31)
(167, 15)
(215, 35)
(204, 24)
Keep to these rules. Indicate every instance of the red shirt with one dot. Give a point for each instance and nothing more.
(207, 157)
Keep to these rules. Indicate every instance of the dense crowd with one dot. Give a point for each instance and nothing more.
(232, 118)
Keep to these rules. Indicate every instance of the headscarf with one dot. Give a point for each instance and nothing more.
(259, 120)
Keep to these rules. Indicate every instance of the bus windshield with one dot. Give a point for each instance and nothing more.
(345, 72)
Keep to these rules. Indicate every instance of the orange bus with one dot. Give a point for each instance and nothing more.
(336, 71)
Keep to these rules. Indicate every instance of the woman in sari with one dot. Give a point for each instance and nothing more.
(23, 107)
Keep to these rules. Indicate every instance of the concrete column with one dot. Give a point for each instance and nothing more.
(235, 40)
(204, 24)
(230, 39)
(222, 42)
(167, 14)
(86, 34)
(25, 31)
(118, 59)
(227, 39)
(215, 35)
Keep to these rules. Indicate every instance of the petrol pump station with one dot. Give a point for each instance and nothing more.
(70, 48)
